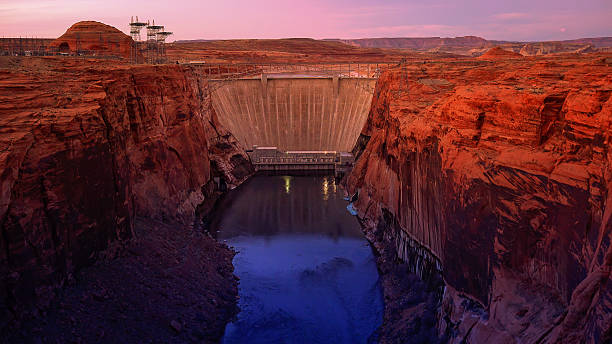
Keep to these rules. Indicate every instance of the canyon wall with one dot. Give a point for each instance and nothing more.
(88, 148)
(499, 171)
(294, 113)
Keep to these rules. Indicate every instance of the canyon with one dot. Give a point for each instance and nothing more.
(483, 185)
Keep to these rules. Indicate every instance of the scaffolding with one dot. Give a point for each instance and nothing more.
(161, 44)
(24, 46)
(135, 52)
(153, 46)
(135, 28)
(153, 49)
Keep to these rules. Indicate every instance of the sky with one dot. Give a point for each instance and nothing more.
(514, 20)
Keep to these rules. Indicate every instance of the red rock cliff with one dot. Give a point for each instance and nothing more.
(501, 171)
(94, 36)
(88, 148)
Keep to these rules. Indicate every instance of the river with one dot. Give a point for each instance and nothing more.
(307, 273)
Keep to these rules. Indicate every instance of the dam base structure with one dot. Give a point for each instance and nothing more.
(271, 159)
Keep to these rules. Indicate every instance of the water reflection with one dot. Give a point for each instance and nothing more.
(271, 205)
(307, 275)
(287, 180)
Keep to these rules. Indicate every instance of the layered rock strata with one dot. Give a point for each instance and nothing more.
(89, 148)
(500, 171)
(95, 37)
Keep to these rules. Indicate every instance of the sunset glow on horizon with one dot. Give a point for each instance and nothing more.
(516, 21)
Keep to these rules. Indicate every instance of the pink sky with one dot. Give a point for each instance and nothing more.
(191, 19)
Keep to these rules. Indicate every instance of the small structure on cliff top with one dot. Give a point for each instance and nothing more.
(135, 28)
(152, 50)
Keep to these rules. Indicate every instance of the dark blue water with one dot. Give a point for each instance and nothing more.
(307, 274)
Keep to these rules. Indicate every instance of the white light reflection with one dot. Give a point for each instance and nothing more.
(325, 189)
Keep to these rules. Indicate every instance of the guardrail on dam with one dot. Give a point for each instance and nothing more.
(339, 69)
(294, 113)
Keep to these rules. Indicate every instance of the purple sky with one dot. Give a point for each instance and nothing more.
(191, 19)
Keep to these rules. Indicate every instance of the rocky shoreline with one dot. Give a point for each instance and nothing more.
(411, 302)
(169, 284)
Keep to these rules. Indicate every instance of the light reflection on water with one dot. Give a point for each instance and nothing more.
(307, 274)
(287, 180)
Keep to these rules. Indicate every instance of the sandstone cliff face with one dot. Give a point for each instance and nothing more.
(88, 149)
(500, 171)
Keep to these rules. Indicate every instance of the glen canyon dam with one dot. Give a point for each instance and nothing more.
(420, 172)
(295, 113)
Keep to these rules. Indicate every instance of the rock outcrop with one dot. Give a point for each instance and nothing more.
(94, 37)
(499, 53)
(547, 48)
(476, 46)
(89, 148)
(498, 174)
(420, 43)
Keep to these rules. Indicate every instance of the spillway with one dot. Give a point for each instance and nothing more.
(294, 113)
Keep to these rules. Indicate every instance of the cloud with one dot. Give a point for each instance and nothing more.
(511, 16)
(366, 11)
(31, 11)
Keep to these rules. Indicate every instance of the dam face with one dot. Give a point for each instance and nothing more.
(294, 113)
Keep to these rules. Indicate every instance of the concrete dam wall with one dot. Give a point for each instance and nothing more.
(294, 113)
